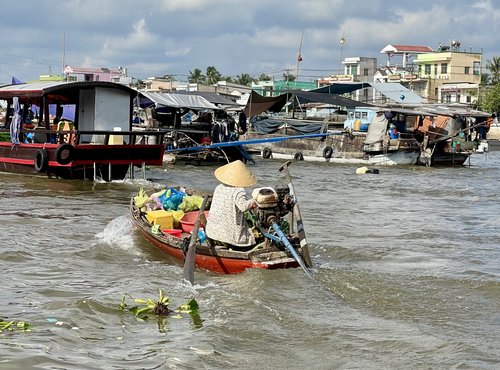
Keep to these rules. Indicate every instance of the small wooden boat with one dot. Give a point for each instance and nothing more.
(212, 256)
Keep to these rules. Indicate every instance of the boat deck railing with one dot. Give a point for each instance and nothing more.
(98, 137)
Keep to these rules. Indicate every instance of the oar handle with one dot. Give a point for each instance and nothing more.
(191, 253)
(298, 216)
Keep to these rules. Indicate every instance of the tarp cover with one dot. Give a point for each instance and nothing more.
(212, 97)
(176, 101)
(272, 125)
(333, 99)
(376, 130)
(340, 88)
(257, 104)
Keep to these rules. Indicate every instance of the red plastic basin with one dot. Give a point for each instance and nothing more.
(188, 220)
(173, 232)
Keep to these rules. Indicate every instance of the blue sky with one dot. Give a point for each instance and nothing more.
(158, 37)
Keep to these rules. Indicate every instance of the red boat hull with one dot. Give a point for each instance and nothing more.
(219, 264)
(111, 162)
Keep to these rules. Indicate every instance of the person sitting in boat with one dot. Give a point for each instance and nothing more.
(226, 221)
(393, 131)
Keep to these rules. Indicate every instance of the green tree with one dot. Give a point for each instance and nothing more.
(490, 99)
(494, 67)
(264, 77)
(287, 75)
(244, 79)
(196, 76)
(213, 75)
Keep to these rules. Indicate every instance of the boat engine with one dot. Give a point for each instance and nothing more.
(272, 204)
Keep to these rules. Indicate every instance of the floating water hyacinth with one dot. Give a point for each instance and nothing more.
(160, 308)
(14, 325)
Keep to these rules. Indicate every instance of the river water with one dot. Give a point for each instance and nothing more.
(406, 276)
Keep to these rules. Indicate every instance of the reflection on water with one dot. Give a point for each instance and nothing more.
(405, 275)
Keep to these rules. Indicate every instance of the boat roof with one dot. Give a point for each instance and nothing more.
(39, 89)
(455, 110)
(177, 100)
(212, 97)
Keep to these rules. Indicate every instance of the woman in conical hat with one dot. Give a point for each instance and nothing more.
(226, 221)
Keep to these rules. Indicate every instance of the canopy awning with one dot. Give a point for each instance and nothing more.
(257, 104)
(341, 88)
(212, 97)
(177, 101)
(332, 99)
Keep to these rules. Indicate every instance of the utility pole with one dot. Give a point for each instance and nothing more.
(63, 51)
(342, 42)
(299, 58)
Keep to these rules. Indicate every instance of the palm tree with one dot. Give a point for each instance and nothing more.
(494, 67)
(213, 75)
(195, 76)
(264, 77)
(244, 79)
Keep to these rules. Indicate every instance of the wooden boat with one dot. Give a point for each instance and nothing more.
(368, 145)
(96, 141)
(214, 257)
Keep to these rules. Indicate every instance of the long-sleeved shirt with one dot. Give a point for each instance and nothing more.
(226, 220)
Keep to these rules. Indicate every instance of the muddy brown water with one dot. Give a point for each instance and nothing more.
(406, 275)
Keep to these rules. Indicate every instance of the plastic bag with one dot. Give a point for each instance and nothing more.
(191, 203)
(141, 198)
(171, 199)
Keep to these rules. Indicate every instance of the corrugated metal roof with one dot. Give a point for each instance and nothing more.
(398, 93)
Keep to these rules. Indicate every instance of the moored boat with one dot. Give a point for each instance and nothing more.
(268, 253)
(367, 144)
(74, 130)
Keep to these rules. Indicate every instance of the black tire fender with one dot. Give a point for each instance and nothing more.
(64, 154)
(327, 152)
(298, 156)
(41, 160)
(267, 153)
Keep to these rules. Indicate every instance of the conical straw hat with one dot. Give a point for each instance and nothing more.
(235, 174)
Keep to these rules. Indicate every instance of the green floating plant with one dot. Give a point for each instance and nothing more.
(14, 325)
(160, 308)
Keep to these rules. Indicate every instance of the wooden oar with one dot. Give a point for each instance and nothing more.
(191, 253)
(298, 217)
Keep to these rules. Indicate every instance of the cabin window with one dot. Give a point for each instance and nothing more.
(444, 68)
(357, 115)
(364, 115)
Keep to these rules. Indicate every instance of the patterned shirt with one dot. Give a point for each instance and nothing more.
(226, 221)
